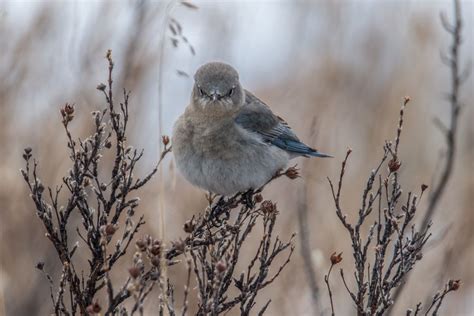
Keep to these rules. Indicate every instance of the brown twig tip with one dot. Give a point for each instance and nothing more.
(40, 265)
(221, 266)
(69, 109)
(189, 226)
(108, 55)
(454, 285)
(349, 150)
(141, 244)
(258, 198)
(394, 164)
(268, 207)
(292, 172)
(156, 261)
(101, 87)
(406, 99)
(93, 308)
(134, 272)
(27, 153)
(179, 245)
(110, 229)
(336, 258)
(67, 112)
(156, 247)
(165, 140)
(423, 187)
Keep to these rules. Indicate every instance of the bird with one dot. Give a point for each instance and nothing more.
(227, 140)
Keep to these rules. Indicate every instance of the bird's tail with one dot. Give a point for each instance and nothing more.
(298, 148)
(316, 153)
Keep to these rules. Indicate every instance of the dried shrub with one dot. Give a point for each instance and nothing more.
(109, 224)
(393, 245)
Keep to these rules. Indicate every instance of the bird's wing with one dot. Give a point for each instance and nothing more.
(257, 117)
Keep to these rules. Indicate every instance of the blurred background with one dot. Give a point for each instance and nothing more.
(337, 71)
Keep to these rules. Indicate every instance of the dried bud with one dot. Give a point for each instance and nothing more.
(419, 256)
(134, 272)
(221, 266)
(406, 99)
(165, 139)
(108, 144)
(336, 258)
(258, 198)
(40, 187)
(454, 285)
(423, 187)
(141, 244)
(155, 249)
(103, 186)
(156, 261)
(180, 245)
(93, 308)
(394, 164)
(67, 112)
(110, 229)
(268, 207)
(69, 109)
(101, 87)
(86, 182)
(189, 226)
(292, 172)
(27, 153)
(349, 150)
(40, 265)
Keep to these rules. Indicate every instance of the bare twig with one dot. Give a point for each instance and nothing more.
(335, 259)
(449, 132)
(398, 246)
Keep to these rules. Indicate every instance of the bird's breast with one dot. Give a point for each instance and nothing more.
(217, 141)
(224, 158)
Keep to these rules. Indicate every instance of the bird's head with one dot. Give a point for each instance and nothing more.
(217, 88)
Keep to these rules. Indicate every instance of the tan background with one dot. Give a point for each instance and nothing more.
(339, 68)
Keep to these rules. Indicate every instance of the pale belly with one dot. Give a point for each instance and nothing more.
(228, 163)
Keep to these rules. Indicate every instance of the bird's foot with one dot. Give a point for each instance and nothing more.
(247, 198)
(210, 197)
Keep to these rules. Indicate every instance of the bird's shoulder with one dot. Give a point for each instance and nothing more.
(257, 116)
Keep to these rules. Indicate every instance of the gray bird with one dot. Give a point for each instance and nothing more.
(227, 140)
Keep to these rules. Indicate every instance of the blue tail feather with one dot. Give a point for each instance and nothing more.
(298, 148)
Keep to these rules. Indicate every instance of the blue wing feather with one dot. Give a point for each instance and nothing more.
(257, 117)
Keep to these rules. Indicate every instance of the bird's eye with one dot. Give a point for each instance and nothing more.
(231, 92)
(201, 92)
